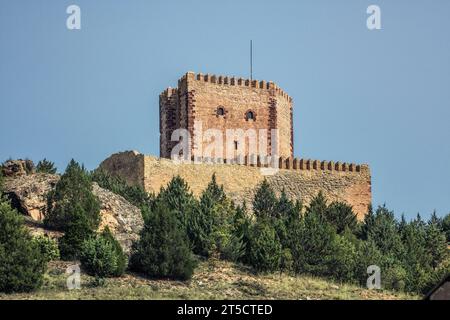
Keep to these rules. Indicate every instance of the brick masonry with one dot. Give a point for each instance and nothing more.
(198, 98)
(301, 179)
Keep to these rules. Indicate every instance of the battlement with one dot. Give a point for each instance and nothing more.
(234, 81)
(288, 163)
(222, 102)
(168, 92)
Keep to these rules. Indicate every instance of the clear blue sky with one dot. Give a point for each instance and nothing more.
(378, 97)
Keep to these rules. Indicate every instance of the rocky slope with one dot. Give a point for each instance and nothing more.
(28, 194)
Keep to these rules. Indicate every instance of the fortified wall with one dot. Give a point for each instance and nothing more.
(302, 179)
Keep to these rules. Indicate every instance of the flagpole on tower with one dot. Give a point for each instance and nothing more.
(251, 60)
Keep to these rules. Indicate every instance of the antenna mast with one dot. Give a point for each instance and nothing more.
(251, 59)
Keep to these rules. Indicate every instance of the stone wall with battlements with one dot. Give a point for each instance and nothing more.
(302, 179)
(198, 98)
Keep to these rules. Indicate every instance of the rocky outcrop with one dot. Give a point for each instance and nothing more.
(17, 168)
(123, 219)
(28, 193)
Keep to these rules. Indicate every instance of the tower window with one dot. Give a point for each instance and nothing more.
(250, 115)
(220, 111)
(235, 145)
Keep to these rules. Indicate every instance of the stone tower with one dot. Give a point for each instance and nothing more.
(210, 103)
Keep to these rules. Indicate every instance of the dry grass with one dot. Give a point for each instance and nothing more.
(213, 279)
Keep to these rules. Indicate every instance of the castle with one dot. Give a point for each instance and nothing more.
(227, 103)
(221, 104)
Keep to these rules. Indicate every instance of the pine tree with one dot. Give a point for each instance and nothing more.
(344, 259)
(72, 197)
(215, 191)
(413, 236)
(1, 182)
(22, 265)
(369, 220)
(264, 247)
(436, 244)
(163, 249)
(312, 245)
(318, 205)
(285, 212)
(203, 220)
(434, 219)
(241, 221)
(341, 216)
(285, 208)
(77, 231)
(416, 259)
(45, 166)
(368, 254)
(446, 226)
(178, 198)
(383, 230)
(402, 225)
(265, 200)
(211, 224)
(241, 229)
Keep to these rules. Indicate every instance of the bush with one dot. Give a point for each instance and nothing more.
(121, 257)
(48, 247)
(22, 264)
(367, 255)
(231, 247)
(393, 274)
(163, 249)
(136, 195)
(102, 256)
(45, 166)
(344, 259)
(72, 196)
(264, 247)
(286, 261)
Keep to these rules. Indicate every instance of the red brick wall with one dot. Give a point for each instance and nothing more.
(198, 97)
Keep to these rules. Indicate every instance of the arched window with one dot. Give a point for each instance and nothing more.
(250, 115)
(220, 111)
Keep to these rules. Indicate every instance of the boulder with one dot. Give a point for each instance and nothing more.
(16, 168)
(28, 194)
(123, 219)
